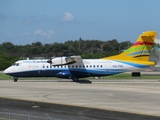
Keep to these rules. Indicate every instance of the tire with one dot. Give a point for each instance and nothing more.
(75, 79)
(15, 79)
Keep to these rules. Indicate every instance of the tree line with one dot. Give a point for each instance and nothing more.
(9, 53)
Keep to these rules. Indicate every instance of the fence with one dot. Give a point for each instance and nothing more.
(6, 114)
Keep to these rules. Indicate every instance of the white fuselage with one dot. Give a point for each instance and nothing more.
(85, 68)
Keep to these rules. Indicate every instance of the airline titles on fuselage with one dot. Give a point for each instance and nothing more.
(35, 61)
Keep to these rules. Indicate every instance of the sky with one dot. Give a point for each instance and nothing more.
(48, 21)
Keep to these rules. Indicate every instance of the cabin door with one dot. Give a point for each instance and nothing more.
(108, 67)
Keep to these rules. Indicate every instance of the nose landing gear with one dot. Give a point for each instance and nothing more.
(15, 79)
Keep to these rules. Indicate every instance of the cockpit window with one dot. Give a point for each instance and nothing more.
(15, 64)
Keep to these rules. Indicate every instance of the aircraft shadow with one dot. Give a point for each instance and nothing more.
(84, 81)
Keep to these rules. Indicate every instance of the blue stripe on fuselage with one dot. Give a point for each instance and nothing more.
(133, 64)
(74, 71)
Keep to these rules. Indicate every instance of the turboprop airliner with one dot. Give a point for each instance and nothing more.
(74, 67)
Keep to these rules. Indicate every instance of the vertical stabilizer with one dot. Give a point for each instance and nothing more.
(139, 51)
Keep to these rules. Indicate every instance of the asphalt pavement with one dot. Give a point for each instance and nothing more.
(86, 100)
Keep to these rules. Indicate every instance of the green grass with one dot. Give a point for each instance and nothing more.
(5, 77)
(129, 76)
(3, 118)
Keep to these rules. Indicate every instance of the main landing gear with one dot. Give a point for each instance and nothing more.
(15, 79)
(75, 79)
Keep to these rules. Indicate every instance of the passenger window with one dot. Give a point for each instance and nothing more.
(97, 65)
(87, 66)
(94, 66)
(90, 66)
(43, 66)
(79, 66)
(68, 66)
(101, 65)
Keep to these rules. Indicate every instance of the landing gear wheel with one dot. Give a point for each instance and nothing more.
(15, 79)
(75, 79)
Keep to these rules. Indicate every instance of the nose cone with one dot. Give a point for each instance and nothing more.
(6, 71)
(9, 71)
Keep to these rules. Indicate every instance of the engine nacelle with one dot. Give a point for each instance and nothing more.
(59, 61)
(65, 60)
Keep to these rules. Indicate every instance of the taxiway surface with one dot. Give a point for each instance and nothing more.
(131, 96)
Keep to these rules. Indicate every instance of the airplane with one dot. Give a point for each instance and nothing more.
(74, 67)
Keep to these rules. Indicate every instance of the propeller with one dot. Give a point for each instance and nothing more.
(50, 62)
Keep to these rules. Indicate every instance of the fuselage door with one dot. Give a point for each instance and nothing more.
(108, 67)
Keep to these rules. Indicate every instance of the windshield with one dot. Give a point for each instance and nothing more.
(15, 64)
